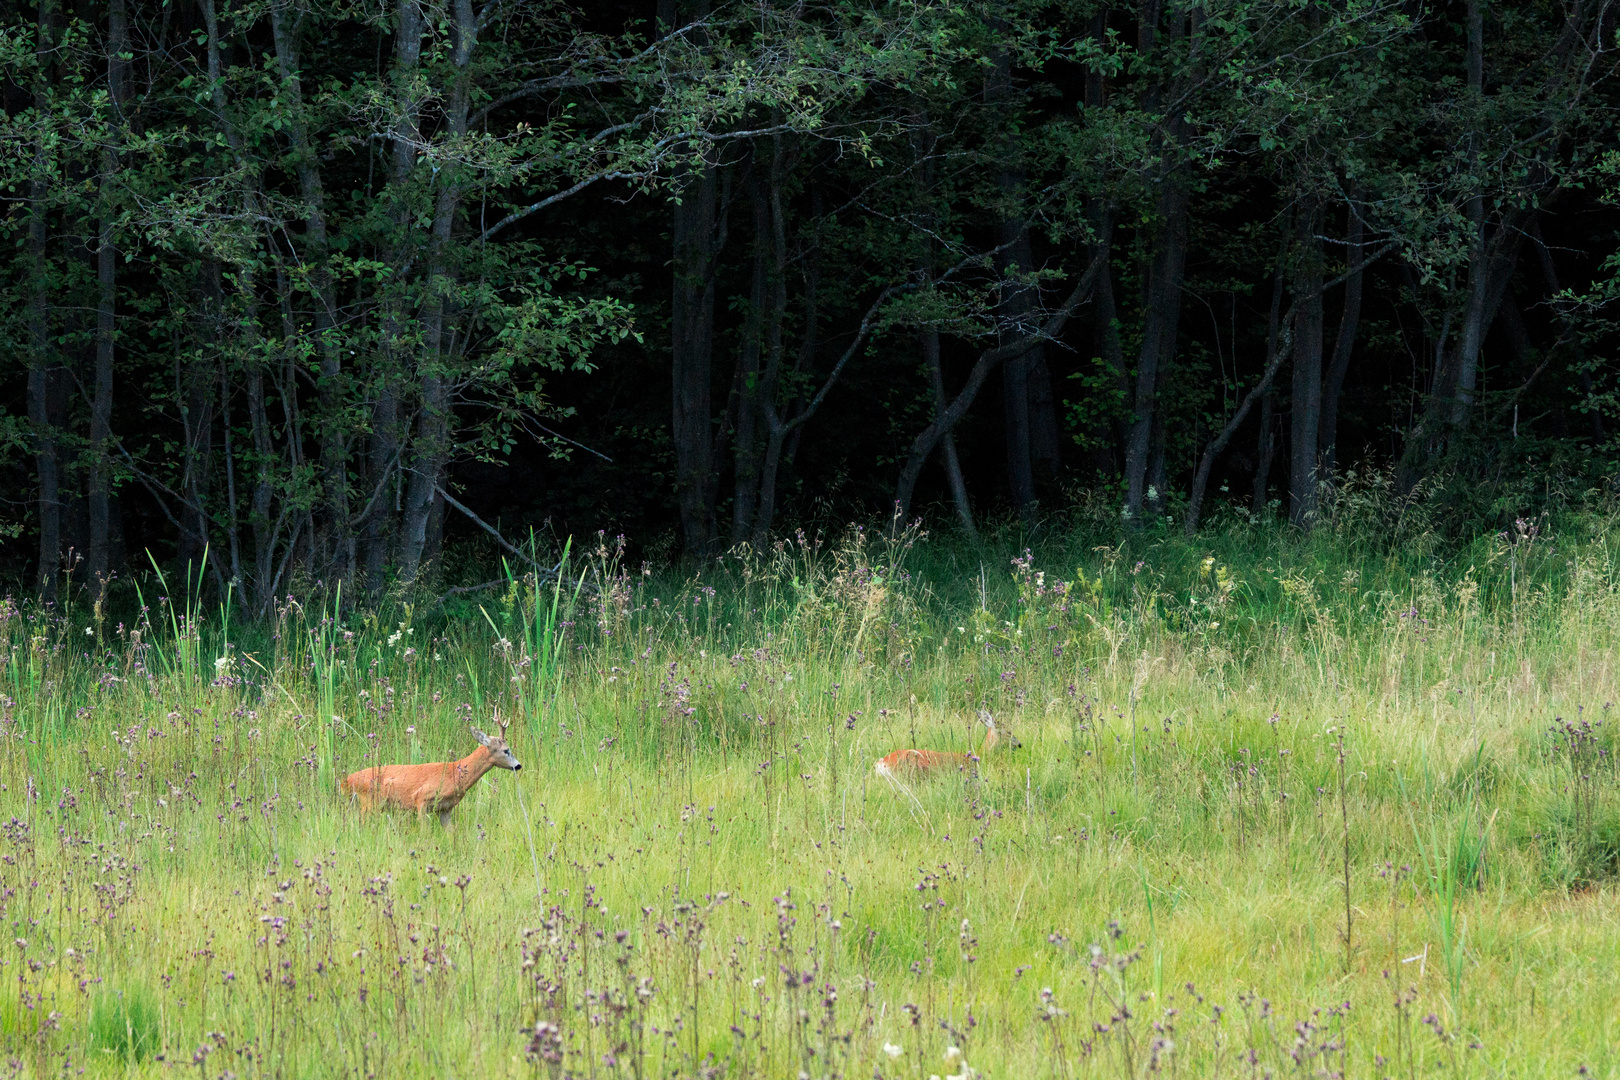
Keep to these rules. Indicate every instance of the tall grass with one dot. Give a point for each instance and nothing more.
(698, 873)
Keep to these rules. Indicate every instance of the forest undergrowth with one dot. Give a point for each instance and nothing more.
(1338, 805)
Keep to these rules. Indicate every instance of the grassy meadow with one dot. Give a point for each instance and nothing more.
(1337, 806)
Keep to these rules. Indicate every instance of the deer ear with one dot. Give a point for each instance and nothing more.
(483, 739)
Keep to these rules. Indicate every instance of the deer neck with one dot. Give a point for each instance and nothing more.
(990, 739)
(471, 769)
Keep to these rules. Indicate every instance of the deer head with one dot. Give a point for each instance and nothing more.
(993, 736)
(496, 745)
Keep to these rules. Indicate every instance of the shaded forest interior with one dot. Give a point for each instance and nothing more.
(313, 287)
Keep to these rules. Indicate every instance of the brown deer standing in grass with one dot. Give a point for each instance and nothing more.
(938, 761)
(434, 788)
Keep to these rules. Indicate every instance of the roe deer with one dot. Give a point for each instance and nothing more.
(435, 788)
(934, 761)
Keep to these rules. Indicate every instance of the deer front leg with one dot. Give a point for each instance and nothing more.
(444, 818)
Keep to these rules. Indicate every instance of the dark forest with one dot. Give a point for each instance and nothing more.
(334, 291)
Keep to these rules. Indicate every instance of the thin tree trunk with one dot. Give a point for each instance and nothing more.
(232, 531)
(1016, 302)
(1345, 342)
(99, 480)
(1305, 402)
(953, 469)
(43, 362)
(431, 449)
(777, 448)
(1492, 256)
(1266, 452)
(1045, 439)
(266, 533)
(1165, 271)
(774, 347)
(1267, 448)
(745, 478)
(1473, 331)
(692, 349)
(1019, 301)
(695, 225)
(337, 542)
(1162, 322)
(195, 390)
(1105, 319)
(383, 457)
(1114, 431)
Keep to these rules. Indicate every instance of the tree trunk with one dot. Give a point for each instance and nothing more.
(953, 469)
(692, 347)
(1492, 257)
(778, 434)
(1266, 452)
(232, 529)
(99, 480)
(432, 446)
(1106, 341)
(1113, 432)
(335, 546)
(1165, 271)
(1017, 302)
(194, 387)
(43, 363)
(766, 463)
(1158, 475)
(745, 478)
(1162, 320)
(383, 455)
(1345, 342)
(1267, 448)
(1045, 438)
(695, 224)
(266, 533)
(1028, 411)
(1473, 332)
(1305, 401)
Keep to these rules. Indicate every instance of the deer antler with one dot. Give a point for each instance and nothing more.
(504, 724)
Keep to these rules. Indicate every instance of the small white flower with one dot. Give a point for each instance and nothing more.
(953, 1053)
(222, 665)
(892, 1050)
(89, 631)
(788, 677)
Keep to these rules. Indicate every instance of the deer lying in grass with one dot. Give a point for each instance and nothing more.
(938, 761)
(435, 788)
